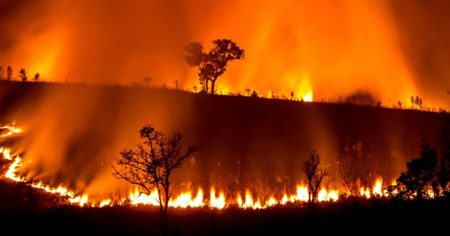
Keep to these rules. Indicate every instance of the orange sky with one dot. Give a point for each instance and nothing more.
(390, 49)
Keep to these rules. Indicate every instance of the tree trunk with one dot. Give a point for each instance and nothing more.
(310, 191)
(164, 223)
(167, 195)
(161, 204)
(164, 220)
(314, 198)
(206, 86)
(213, 84)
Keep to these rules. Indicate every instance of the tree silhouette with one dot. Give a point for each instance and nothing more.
(420, 177)
(196, 57)
(314, 175)
(150, 166)
(147, 80)
(444, 170)
(36, 77)
(416, 101)
(212, 64)
(9, 73)
(1, 73)
(23, 75)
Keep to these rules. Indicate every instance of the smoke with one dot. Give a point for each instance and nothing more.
(424, 29)
(385, 50)
(332, 47)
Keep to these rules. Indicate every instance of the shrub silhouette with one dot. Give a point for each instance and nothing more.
(420, 180)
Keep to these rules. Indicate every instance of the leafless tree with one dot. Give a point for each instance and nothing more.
(314, 175)
(147, 80)
(9, 73)
(23, 75)
(150, 166)
(36, 77)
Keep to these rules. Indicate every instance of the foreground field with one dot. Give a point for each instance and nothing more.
(24, 210)
(353, 216)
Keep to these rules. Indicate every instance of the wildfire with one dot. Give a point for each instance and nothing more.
(364, 192)
(137, 198)
(106, 202)
(326, 196)
(378, 188)
(9, 130)
(217, 202)
(62, 191)
(302, 194)
(185, 200)
(6, 153)
(308, 97)
(11, 173)
(249, 202)
(304, 91)
(217, 199)
(271, 202)
(80, 200)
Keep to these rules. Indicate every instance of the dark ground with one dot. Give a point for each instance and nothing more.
(352, 217)
(23, 211)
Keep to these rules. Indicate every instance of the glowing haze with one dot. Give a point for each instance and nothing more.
(334, 48)
(315, 49)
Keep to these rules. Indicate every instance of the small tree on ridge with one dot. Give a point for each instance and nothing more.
(23, 75)
(9, 73)
(212, 64)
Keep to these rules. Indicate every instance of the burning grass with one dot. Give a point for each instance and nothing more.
(216, 199)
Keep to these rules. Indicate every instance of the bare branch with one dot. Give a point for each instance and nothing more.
(314, 175)
(150, 166)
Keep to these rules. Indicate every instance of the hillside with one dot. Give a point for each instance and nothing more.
(78, 129)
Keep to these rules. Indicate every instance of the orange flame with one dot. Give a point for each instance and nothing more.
(217, 202)
(10, 130)
(218, 199)
(6, 153)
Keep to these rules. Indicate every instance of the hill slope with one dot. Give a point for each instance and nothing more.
(74, 131)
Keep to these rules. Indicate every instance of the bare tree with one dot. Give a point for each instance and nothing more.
(444, 172)
(150, 166)
(147, 80)
(314, 175)
(36, 77)
(416, 101)
(212, 64)
(23, 75)
(9, 73)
